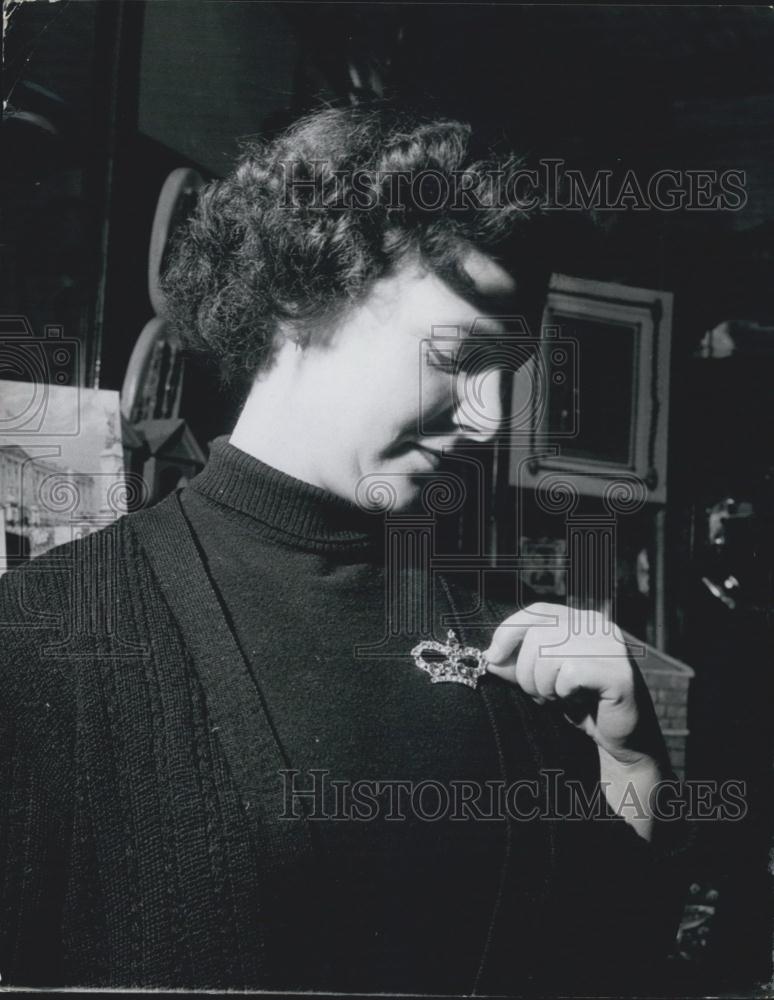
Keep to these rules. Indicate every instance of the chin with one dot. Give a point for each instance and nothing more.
(391, 492)
(397, 483)
(410, 487)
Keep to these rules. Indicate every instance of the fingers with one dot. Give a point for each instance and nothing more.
(528, 667)
(546, 672)
(525, 663)
(573, 675)
(510, 634)
(541, 649)
(579, 660)
(610, 679)
(505, 670)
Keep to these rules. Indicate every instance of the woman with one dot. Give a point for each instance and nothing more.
(221, 751)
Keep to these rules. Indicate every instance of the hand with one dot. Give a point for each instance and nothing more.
(579, 659)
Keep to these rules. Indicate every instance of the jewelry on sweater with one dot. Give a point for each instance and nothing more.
(457, 665)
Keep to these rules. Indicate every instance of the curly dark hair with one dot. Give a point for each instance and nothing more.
(309, 220)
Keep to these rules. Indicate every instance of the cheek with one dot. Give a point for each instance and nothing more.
(415, 403)
(380, 397)
(394, 394)
(437, 391)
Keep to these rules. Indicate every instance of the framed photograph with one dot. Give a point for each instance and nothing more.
(595, 398)
(61, 466)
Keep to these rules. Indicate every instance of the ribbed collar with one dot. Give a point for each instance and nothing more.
(283, 507)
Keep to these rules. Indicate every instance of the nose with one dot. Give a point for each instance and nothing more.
(478, 409)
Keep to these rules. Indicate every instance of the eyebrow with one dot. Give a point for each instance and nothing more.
(489, 305)
(460, 333)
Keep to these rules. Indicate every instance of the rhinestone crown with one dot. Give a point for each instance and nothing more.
(460, 664)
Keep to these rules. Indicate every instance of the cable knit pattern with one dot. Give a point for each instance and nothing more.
(122, 844)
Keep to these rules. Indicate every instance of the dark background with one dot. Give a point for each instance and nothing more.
(104, 99)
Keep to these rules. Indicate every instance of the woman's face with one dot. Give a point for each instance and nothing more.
(383, 395)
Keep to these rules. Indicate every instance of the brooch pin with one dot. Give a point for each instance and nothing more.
(452, 663)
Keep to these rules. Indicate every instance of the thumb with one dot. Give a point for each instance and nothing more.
(500, 658)
(506, 640)
(509, 635)
(508, 671)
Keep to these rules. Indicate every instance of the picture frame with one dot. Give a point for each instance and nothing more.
(603, 353)
(62, 473)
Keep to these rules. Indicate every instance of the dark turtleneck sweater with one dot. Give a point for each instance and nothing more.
(134, 849)
(406, 902)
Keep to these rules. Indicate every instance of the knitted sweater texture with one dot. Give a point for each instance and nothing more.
(138, 849)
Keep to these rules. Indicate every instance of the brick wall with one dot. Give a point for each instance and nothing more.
(668, 681)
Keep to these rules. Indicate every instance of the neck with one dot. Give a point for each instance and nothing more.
(281, 507)
(271, 427)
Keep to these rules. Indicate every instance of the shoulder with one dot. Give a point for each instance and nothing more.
(64, 607)
(90, 567)
(39, 589)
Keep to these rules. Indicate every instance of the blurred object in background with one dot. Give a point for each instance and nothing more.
(153, 384)
(737, 336)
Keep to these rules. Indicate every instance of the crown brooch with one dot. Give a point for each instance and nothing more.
(450, 663)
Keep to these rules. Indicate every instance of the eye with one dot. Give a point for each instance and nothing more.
(468, 356)
(442, 358)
